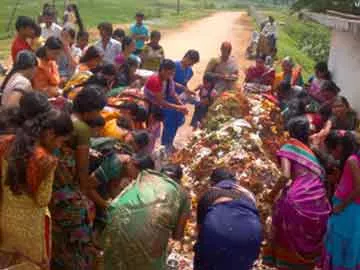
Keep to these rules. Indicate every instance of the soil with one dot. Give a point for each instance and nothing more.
(206, 36)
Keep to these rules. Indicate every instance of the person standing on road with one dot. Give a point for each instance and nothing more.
(224, 68)
(108, 46)
(173, 120)
(139, 32)
(160, 90)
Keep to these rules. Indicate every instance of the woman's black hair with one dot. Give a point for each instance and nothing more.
(108, 69)
(299, 128)
(119, 33)
(52, 43)
(82, 34)
(323, 68)
(330, 86)
(91, 98)
(157, 113)
(97, 122)
(167, 64)
(143, 162)
(141, 138)
(126, 42)
(37, 31)
(24, 60)
(71, 31)
(107, 27)
(344, 101)
(261, 57)
(124, 123)
(125, 70)
(155, 34)
(91, 53)
(41, 117)
(193, 55)
(173, 171)
(130, 106)
(79, 21)
(221, 174)
(23, 22)
(347, 141)
(141, 114)
(296, 107)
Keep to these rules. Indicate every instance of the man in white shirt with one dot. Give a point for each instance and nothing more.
(49, 28)
(108, 46)
(270, 32)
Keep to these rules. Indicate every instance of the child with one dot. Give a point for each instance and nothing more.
(82, 41)
(207, 94)
(153, 53)
(119, 35)
(38, 41)
(26, 28)
(139, 32)
(154, 127)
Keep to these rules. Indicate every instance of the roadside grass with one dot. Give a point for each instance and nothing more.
(305, 42)
(159, 14)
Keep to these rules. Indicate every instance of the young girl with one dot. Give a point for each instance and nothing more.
(207, 94)
(153, 52)
(343, 238)
(47, 78)
(154, 126)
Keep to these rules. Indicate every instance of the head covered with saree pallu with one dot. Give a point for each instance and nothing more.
(301, 213)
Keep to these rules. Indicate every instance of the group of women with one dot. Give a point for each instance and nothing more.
(315, 210)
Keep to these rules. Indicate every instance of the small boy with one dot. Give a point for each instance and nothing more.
(139, 32)
(119, 35)
(153, 53)
(82, 41)
(26, 28)
(207, 94)
(154, 127)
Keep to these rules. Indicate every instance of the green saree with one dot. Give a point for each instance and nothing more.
(143, 218)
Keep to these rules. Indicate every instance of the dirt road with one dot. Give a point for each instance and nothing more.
(206, 36)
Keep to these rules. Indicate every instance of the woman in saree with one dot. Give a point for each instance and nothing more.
(28, 169)
(230, 231)
(73, 213)
(322, 74)
(88, 63)
(144, 216)
(342, 237)
(112, 176)
(301, 212)
(260, 73)
(290, 74)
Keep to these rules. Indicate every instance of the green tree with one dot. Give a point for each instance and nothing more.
(350, 6)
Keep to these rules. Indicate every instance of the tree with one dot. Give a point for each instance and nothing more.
(350, 6)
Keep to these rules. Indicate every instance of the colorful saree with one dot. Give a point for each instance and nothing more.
(143, 218)
(263, 75)
(24, 218)
(300, 214)
(294, 79)
(72, 212)
(342, 241)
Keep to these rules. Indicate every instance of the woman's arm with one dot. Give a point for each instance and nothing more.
(82, 166)
(355, 193)
(178, 233)
(286, 176)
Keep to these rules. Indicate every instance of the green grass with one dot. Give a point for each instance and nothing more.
(159, 13)
(291, 33)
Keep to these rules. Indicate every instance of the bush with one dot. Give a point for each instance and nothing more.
(313, 39)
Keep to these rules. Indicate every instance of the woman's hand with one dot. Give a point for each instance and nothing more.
(338, 209)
